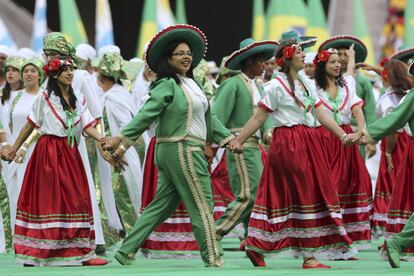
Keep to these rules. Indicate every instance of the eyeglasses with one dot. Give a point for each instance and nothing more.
(50, 54)
(182, 53)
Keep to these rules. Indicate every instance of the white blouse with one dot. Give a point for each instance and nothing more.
(285, 110)
(49, 118)
(200, 105)
(345, 101)
(255, 96)
(406, 128)
(387, 102)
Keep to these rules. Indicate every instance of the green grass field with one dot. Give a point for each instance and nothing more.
(236, 264)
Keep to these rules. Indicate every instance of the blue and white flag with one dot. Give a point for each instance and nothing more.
(39, 26)
(5, 38)
(103, 25)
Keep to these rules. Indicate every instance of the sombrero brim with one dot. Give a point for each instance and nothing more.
(267, 48)
(345, 41)
(182, 32)
(307, 41)
(411, 69)
(403, 55)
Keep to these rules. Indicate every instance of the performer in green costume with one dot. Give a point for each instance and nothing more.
(185, 125)
(234, 104)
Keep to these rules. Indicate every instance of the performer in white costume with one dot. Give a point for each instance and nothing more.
(119, 109)
(19, 108)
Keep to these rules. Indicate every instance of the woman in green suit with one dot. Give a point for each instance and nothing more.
(185, 124)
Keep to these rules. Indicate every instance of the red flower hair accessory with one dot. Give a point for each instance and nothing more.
(384, 74)
(324, 55)
(56, 64)
(383, 61)
(280, 61)
(289, 51)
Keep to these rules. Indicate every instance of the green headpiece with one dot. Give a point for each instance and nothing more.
(13, 61)
(111, 65)
(58, 42)
(36, 62)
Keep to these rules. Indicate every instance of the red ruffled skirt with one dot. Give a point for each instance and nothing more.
(385, 184)
(297, 209)
(54, 224)
(174, 237)
(352, 183)
(402, 200)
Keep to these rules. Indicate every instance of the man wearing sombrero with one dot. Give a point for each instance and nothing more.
(400, 117)
(363, 85)
(234, 105)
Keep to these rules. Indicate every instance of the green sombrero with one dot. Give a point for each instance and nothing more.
(403, 55)
(410, 70)
(345, 41)
(181, 32)
(304, 41)
(248, 48)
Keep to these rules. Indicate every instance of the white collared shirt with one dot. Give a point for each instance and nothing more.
(200, 104)
(255, 96)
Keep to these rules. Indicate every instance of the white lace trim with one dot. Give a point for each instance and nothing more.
(397, 221)
(58, 244)
(172, 237)
(379, 217)
(57, 224)
(357, 227)
(75, 261)
(356, 210)
(261, 216)
(306, 233)
(178, 220)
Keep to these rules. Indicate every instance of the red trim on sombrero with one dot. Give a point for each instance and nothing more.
(248, 47)
(393, 56)
(337, 37)
(175, 27)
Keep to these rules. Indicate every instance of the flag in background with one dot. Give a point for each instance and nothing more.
(180, 15)
(5, 37)
(360, 30)
(316, 23)
(103, 24)
(71, 22)
(409, 24)
(165, 16)
(283, 16)
(148, 25)
(258, 30)
(39, 26)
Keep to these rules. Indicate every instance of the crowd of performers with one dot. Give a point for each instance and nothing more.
(276, 157)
